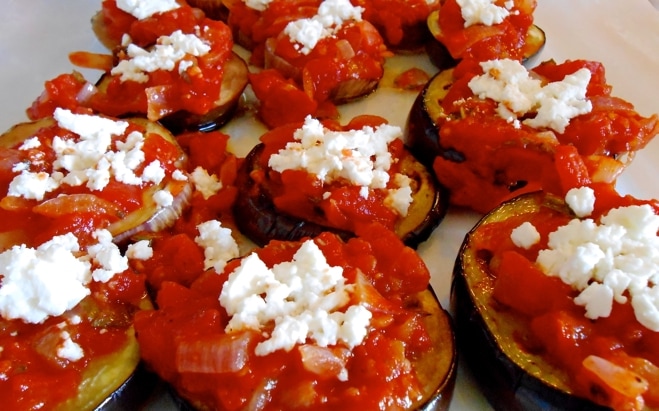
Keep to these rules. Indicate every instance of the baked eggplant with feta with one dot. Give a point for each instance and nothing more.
(307, 178)
(183, 74)
(486, 146)
(483, 32)
(370, 331)
(541, 320)
(79, 172)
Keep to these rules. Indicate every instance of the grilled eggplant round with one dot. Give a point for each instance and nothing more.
(258, 218)
(442, 58)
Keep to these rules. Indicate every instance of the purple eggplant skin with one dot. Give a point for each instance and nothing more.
(134, 393)
(257, 217)
(422, 129)
(503, 381)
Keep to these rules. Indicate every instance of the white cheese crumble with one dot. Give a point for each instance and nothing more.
(525, 235)
(331, 16)
(359, 157)
(48, 280)
(140, 250)
(142, 9)
(207, 184)
(302, 299)
(613, 260)
(68, 349)
(258, 5)
(581, 201)
(519, 95)
(165, 54)
(485, 12)
(218, 244)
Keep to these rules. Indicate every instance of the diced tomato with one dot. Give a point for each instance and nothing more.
(522, 286)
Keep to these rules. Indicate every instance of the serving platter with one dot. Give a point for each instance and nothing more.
(36, 37)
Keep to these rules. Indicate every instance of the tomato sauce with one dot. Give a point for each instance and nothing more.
(552, 325)
(401, 23)
(501, 160)
(184, 338)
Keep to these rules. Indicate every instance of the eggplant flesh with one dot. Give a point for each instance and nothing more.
(510, 378)
(258, 218)
(442, 58)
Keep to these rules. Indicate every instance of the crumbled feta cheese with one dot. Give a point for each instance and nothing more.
(48, 280)
(610, 260)
(68, 349)
(179, 175)
(207, 184)
(165, 54)
(32, 186)
(142, 9)
(360, 157)
(107, 255)
(42, 282)
(32, 142)
(525, 235)
(163, 198)
(331, 16)
(140, 250)
(153, 172)
(485, 12)
(218, 244)
(399, 199)
(519, 95)
(581, 201)
(302, 299)
(258, 5)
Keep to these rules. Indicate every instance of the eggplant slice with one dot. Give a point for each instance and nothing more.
(257, 217)
(511, 379)
(437, 368)
(149, 217)
(442, 59)
(234, 82)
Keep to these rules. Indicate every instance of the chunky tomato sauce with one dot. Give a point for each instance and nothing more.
(553, 326)
(33, 376)
(301, 194)
(481, 42)
(401, 23)
(500, 160)
(76, 209)
(185, 343)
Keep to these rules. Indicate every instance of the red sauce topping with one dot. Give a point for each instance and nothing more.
(183, 339)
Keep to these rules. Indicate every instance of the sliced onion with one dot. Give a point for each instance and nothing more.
(216, 354)
(619, 379)
(75, 204)
(346, 51)
(262, 395)
(323, 361)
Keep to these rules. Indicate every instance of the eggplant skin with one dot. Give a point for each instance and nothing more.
(134, 393)
(490, 357)
(259, 220)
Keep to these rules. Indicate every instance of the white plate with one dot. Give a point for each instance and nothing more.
(37, 35)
